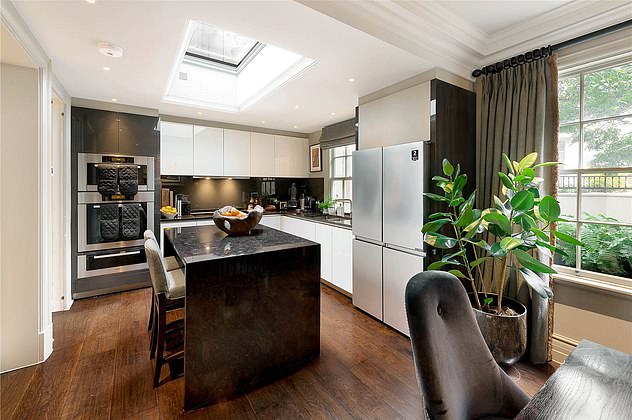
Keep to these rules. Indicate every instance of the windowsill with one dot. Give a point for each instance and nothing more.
(593, 284)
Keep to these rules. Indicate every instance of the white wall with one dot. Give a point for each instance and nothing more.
(401, 117)
(584, 312)
(19, 248)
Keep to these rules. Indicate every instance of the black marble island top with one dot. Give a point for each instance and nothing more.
(205, 243)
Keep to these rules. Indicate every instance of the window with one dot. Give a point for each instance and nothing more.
(595, 183)
(220, 47)
(341, 169)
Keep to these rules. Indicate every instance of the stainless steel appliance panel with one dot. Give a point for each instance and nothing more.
(367, 194)
(92, 265)
(403, 195)
(398, 268)
(84, 160)
(367, 277)
(86, 199)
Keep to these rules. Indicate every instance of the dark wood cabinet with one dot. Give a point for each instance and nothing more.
(98, 131)
(138, 135)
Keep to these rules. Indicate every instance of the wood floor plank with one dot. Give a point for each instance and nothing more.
(101, 369)
(47, 392)
(13, 386)
(91, 385)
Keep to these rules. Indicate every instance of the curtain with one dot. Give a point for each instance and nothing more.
(517, 114)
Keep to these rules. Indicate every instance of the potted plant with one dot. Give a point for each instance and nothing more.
(327, 206)
(521, 222)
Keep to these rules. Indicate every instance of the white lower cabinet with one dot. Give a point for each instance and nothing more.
(342, 258)
(298, 227)
(273, 221)
(399, 267)
(336, 249)
(323, 237)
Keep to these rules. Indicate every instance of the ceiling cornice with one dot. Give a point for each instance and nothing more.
(566, 22)
(428, 29)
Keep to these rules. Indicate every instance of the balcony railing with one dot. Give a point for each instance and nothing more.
(595, 183)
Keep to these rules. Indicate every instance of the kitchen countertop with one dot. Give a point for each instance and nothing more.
(337, 221)
(205, 243)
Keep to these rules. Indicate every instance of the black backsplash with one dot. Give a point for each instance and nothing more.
(206, 194)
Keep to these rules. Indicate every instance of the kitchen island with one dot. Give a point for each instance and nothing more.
(252, 308)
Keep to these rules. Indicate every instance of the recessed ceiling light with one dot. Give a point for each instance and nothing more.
(352, 80)
(263, 122)
(296, 107)
(295, 126)
(333, 113)
(106, 68)
(91, 1)
(199, 113)
(208, 177)
(230, 179)
(114, 100)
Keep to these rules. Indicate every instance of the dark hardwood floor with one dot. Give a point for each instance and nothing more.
(101, 369)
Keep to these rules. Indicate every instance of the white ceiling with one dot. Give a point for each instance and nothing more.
(377, 43)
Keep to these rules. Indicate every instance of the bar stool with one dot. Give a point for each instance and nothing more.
(171, 263)
(168, 295)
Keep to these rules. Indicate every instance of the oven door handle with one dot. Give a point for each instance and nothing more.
(120, 254)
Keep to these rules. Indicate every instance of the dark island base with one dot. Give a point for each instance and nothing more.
(249, 320)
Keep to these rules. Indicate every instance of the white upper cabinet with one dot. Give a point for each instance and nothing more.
(262, 155)
(236, 153)
(176, 149)
(291, 157)
(186, 149)
(208, 151)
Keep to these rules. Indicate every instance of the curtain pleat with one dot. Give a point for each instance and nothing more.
(515, 116)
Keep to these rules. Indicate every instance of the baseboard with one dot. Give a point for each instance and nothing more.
(68, 304)
(336, 288)
(46, 342)
(562, 347)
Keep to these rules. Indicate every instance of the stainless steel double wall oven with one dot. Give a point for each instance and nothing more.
(115, 205)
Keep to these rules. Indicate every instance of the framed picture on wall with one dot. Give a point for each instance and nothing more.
(315, 161)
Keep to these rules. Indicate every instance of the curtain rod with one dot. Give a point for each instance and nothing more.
(546, 51)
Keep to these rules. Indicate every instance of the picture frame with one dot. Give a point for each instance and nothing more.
(315, 158)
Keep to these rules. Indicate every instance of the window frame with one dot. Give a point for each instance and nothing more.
(332, 178)
(578, 221)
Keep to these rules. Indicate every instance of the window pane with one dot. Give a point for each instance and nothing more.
(569, 260)
(567, 195)
(350, 149)
(336, 188)
(347, 189)
(607, 197)
(568, 146)
(339, 168)
(568, 96)
(608, 92)
(608, 144)
(607, 249)
(339, 151)
(349, 166)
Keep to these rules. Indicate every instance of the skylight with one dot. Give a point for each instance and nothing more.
(219, 46)
(227, 71)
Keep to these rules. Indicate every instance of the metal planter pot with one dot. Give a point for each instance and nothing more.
(506, 336)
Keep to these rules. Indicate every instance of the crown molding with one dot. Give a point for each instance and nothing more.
(16, 26)
(578, 17)
(428, 29)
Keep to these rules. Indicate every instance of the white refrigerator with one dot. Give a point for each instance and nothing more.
(387, 220)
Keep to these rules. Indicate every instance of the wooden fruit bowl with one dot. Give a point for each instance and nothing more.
(239, 225)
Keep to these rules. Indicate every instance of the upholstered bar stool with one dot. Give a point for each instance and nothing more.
(171, 263)
(168, 295)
